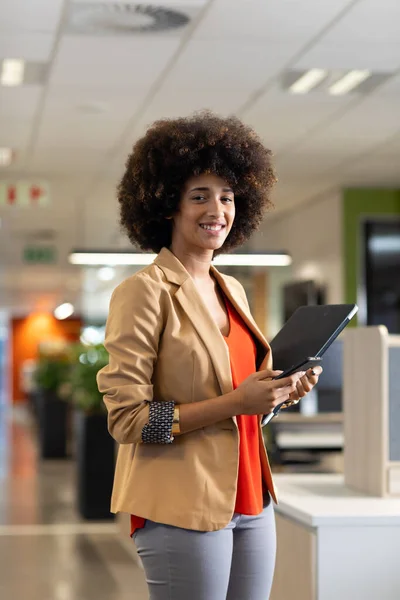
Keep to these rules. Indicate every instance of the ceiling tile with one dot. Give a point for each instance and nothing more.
(184, 101)
(372, 120)
(126, 63)
(363, 54)
(391, 87)
(14, 132)
(19, 102)
(64, 160)
(29, 46)
(282, 118)
(370, 21)
(221, 65)
(284, 20)
(30, 15)
(345, 142)
(373, 170)
(80, 131)
(101, 102)
(391, 148)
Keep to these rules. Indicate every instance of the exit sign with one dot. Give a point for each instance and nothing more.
(28, 194)
(40, 255)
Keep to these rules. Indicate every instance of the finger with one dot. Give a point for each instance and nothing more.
(313, 374)
(301, 389)
(282, 394)
(268, 374)
(307, 384)
(289, 381)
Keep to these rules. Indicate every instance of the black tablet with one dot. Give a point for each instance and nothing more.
(309, 332)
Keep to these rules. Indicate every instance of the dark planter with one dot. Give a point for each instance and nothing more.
(52, 425)
(95, 456)
(33, 401)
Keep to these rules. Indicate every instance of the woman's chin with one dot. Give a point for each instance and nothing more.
(216, 245)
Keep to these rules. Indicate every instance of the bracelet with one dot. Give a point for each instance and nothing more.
(158, 429)
(176, 428)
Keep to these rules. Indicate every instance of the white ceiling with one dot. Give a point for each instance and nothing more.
(103, 90)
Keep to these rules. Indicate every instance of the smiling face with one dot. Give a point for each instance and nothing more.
(205, 216)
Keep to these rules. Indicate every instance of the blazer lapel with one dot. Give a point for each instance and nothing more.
(189, 298)
(194, 307)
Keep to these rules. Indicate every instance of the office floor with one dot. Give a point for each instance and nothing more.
(46, 551)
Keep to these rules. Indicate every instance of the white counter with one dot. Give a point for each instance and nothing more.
(317, 499)
(334, 542)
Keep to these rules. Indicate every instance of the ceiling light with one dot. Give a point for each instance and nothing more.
(308, 81)
(106, 273)
(12, 72)
(253, 260)
(272, 259)
(6, 156)
(64, 311)
(348, 82)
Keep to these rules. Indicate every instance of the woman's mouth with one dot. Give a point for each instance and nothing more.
(212, 228)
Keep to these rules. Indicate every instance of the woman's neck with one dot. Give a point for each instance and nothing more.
(197, 264)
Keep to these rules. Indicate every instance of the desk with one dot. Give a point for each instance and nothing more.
(335, 543)
(322, 432)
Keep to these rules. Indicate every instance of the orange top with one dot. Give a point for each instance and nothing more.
(242, 351)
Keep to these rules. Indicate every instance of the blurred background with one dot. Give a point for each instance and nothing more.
(80, 81)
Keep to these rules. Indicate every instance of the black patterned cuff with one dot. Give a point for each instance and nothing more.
(159, 428)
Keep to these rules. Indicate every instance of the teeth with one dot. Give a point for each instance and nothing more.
(212, 227)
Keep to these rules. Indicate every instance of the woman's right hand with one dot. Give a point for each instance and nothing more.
(260, 393)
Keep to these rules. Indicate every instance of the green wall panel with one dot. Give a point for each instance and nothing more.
(359, 204)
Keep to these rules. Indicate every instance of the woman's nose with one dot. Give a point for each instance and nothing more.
(215, 207)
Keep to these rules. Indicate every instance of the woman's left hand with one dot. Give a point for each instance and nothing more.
(304, 385)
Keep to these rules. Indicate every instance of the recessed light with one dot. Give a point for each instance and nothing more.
(272, 259)
(64, 311)
(6, 156)
(348, 82)
(12, 72)
(308, 81)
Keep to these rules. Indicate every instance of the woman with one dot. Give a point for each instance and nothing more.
(189, 371)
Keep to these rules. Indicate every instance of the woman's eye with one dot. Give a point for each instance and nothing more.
(199, 198)
(227, 199)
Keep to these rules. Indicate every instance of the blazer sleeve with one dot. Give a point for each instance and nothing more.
(133, 330)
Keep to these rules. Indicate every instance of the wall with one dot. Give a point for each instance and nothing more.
(358, 204)
(25, 336)
(4, 357)
(312, 234)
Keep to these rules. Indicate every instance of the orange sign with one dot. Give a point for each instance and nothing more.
(24, 193)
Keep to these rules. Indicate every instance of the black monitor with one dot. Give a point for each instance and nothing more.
(382, 281)
(300, 293)
(330, 384)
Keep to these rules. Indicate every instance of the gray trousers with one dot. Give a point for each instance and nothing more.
(234, 563)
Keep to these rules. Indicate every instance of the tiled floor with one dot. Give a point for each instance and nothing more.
(46, 551)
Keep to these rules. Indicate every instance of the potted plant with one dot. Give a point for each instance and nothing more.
(94, 447)
(51, 374)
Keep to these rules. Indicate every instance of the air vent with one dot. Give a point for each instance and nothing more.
(86, 18)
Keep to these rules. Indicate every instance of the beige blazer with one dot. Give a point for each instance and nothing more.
(164, 345)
